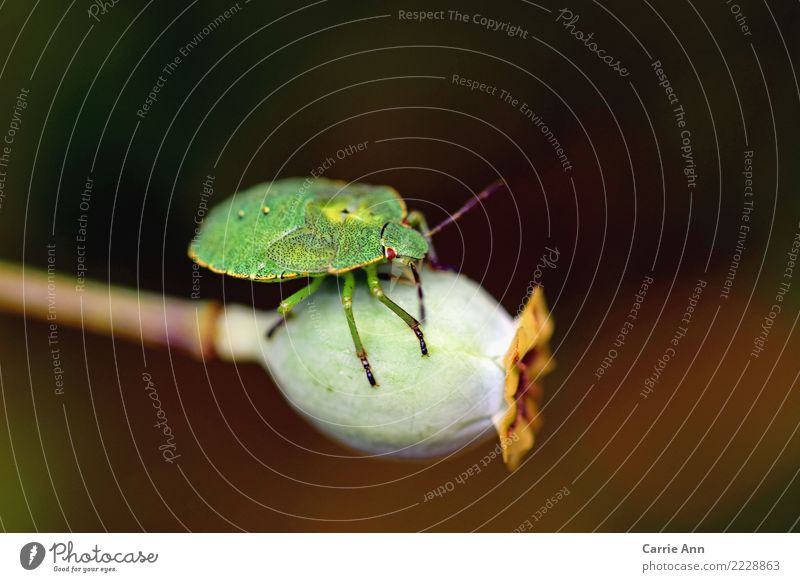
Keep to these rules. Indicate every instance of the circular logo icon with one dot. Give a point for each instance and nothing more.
(31, 555)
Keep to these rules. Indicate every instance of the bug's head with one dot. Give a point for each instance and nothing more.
(402, 243)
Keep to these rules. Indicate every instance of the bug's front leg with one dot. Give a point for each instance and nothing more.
(375, 288)
(291, 302)
(347, 301)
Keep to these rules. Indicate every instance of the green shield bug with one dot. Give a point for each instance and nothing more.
(316, 227)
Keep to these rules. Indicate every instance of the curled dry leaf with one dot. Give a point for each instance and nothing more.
(528, 359)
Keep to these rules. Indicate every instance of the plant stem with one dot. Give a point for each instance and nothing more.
(150, 318)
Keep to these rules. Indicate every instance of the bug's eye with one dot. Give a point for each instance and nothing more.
(390, 253)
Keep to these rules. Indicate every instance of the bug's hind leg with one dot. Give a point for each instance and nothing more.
(375, 288)
(291, 302)
(347, 301)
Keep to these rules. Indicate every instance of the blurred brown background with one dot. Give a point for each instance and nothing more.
(272, 89)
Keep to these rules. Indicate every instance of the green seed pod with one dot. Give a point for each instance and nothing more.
(422, 406)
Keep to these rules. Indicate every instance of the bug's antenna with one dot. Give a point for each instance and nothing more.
(471, 203)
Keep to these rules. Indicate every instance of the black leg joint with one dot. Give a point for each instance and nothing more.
(367, 369)
(422, 345)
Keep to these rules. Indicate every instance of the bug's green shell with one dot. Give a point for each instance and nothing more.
(297, 226)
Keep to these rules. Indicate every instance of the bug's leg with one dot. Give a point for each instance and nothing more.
(375, 288)
(418, 282)
(417, 220)
(413, 278)
(347, 301)
(291, 302)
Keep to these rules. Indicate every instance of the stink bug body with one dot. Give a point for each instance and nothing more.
(304, 227)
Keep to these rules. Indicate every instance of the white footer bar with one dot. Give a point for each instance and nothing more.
(390, 557)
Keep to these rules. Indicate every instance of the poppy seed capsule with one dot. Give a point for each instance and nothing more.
(423, 406)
